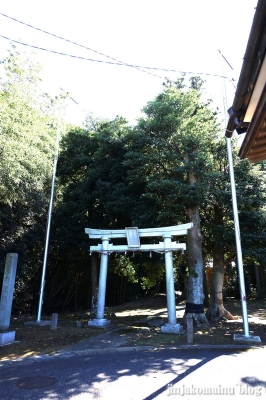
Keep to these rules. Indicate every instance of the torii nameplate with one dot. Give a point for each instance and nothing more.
(133, 237)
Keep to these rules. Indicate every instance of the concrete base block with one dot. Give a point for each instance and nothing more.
(171, 328)
(99, 323)
(246, 339)
(38, 323)
(7, 337)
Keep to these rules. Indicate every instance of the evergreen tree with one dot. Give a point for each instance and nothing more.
(92, 182)
(26, 152)
(170, 155)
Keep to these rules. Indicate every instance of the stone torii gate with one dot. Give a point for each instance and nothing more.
(133, 236)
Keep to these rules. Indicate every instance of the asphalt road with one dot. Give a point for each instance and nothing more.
(139, 375)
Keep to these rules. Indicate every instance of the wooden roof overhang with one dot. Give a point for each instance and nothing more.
(248, 111)
(254, 144)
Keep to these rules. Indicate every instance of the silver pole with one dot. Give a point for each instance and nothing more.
(238, 240)
(48, 225)
(236, 219)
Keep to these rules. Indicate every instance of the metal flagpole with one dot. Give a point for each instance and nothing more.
(48, 225)
(238, 240)
(236, 222)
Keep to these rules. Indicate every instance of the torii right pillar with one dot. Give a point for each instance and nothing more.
(100, 321)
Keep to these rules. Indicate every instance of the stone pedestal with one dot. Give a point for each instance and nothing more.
(171, 328)
(99, 323)
(7, 337)
(246, 339)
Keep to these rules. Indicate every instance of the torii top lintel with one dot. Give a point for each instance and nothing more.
(176, 230)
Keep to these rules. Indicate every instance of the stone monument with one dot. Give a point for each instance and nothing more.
(7, 336)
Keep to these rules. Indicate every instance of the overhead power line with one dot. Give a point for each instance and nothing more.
(116, 63)
(140, 67)
(145, 69)
(72, 42)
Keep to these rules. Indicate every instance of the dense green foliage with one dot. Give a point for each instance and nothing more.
(27, 131)
(112, 175)
(169, 144)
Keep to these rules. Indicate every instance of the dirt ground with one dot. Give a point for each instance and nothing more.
(132, 320)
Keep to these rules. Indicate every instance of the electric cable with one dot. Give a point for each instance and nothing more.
(117, 62)
(145, 69)
(140, 68)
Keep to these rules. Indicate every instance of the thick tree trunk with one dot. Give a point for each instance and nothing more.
(258, 282)
(94, 284)
(216, 307)
(216, 310)
(195, 296)
(263, 279)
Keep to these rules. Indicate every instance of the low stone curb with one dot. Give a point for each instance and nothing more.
(61, 354)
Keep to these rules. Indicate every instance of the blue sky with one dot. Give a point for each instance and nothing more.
(166, 34)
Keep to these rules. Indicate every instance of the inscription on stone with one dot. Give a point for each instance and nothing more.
(133, 237)
(7, 290)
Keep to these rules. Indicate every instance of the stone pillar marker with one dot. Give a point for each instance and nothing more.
(190, 330)
(7, 337)
(54, 322)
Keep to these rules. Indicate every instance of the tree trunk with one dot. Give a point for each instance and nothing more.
(263, 279)
(94, 285)
(258, 282)
(216, 310)
(195, 296)
(216, 307)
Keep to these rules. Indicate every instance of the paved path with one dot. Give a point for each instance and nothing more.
(198, 374)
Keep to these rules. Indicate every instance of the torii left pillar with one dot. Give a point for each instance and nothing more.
(100, 321)
(171, 326)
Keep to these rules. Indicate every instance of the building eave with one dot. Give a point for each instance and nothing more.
(254, 145)
(251, 67)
